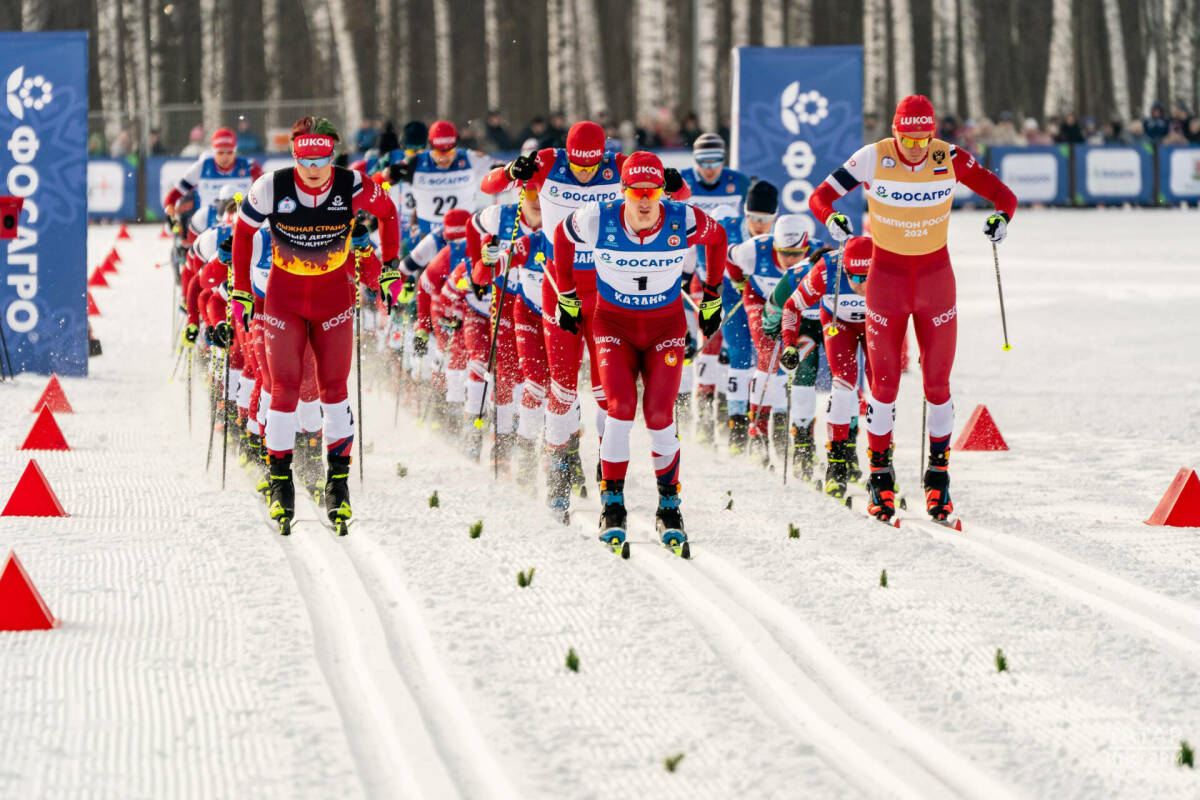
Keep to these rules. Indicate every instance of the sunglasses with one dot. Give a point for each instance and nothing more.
(761, 219)
(314, 162)
(709, 163)
(647, 193)
(444, 153)
(791, 251)
(856, 278)
(922, 142)
(585, 168)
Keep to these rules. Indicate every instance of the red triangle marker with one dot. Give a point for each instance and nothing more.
(97, 278)
(980, 433)
(93, 309)
(45, 433)
(21, 606)
(109, 265)
(1180, 506)
(53, 396)
(33, 496)
(124, 232)
(114, 255)
(163, 234)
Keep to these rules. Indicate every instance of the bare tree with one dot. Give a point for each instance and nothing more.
(972, 57)
(555, 51)
(590, 58)
(705, 81)
(944, 80)
(320, 32)
(442, 44)
(1181, 51)
(403, 77)
(491, 36)
(740, 27)
(772, 23)
(385, 54)
(799, 23)
(349, 83)
(874, 54)
(33, 15)
(672, 57)
(154, 45)
(1060, 77)
(903, 53)
(138, 61)
(272, 50)
(569, 63)
(129, 76)
(1116, 57)
(108, 63)
(649, 46)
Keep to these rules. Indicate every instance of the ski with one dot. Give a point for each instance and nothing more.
(618, 546)
(681, 549)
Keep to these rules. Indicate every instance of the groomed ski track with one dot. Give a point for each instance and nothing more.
(778, 667)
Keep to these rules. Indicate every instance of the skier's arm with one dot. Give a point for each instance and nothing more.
(257, 204)
(791, 323)
(982, 181)
(498, 180)
(705, 231)
(485, 222)
(429, 285)
(739, 261)
(369, 197)
(185, 185)
(814, 285)
(859, 168)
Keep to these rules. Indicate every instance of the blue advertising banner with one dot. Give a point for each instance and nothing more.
(1035, 173)
(1114, 173)
(1178, 174)
(797, 116)
(111, 189)
(43, 127)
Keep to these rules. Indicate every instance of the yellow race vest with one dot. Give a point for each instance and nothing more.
(910, 211)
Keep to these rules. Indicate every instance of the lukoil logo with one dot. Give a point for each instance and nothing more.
(798, 108)
(23, 93)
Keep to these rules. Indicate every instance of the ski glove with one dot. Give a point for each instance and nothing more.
(839, 227)
(403, 171)
(360, 237)
(243, 307)
(222, 335)
(390, 275)
(522, 168)
(190, 333)
(789, 359)
(710, 310)
(569, 307)
(689, 348)
(408, 290)
(996, 227)
(672, 180)
(490, 253)
(225, 250)
(420, 343)
(450, 324)
(479, 290)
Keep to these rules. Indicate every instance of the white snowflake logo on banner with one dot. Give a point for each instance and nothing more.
(23, 93)
(798, 108)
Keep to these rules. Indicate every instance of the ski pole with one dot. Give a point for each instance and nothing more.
(175, 369)
(212, 416)
(7, 357)
(358, 363)
(225, 379)
(921, 441)
(832, 330)
(189, 389)
(1000, 291)
(763, 392)
(787, 438)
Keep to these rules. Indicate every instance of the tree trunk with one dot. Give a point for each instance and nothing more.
(1060, 77)
(903, 55)
(874, 55)
(385, 53)
(648, 52)
(443, 44)
(555, 54)
(1116, 58)
(1181, 52)
(491, 34)
(108, 63)
(154, 46)
(403, 76)
(740, 27)
(569, 63)
(972, 58)
(705, 27)
(349, 83)
(944, 80)
(316, 14)
(138, 61)
(799, 23)
(272, 52)
(673, 55)
(33, 15)
(129, 77)
(212, 56)
(772, 23)
(590, 57)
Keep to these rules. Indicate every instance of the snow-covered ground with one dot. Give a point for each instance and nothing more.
(201, 655)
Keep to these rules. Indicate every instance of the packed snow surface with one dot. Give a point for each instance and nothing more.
(202, 655)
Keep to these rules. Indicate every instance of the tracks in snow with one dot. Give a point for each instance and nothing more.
(410, 732)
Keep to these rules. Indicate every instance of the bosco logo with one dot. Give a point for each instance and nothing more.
(798, 108)
(23, 93)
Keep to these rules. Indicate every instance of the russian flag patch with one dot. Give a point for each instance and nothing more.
(940, 170)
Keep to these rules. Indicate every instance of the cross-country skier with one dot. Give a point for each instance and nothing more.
(910, 178)
(444, 177)
(214, 170)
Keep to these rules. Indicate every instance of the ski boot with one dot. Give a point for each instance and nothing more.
(683, 412)
(527, 464)
(723, 412)
(705, 417)
(558, 485)
(578, 479)
(937, 487)
(309, 466)
(613, 516)
(854, 473)
(835, 469)
(739, 434)
(669, 521)
(803, 452)
(881, 503)
(502, 448)
(282, 501)
(337, 494)
(452, 420)
(244, 446)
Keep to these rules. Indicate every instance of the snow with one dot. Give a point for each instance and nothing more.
(201, 655)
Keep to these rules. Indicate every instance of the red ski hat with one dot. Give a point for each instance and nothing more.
(858, 254)
(914, 114)
(585, 143)
(312, 145)
(224, 139)
(454, 224)
(443, 135)
(642, 167)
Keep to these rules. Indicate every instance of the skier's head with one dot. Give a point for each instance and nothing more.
(454, 224)
(708, 151)
(762, 203)
(914, 126)
(224, 147)
(790, 239)
(858, 260)
(227, 201)
(415, 136)
(443, 142)
(313, 143)
(642, 182)
(585, 150)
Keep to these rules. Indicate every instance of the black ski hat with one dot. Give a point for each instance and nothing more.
(387, 141)
(763, 198)
(416, 135)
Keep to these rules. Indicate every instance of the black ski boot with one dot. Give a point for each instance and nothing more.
(803, 452)
(739, 434)
(882, 488)
(835, 469)
(613, 517)
(937, 487)
(854, 472)
(705, 418)
(558, 485)
(282, 503)
(527, 464)
(683, 412)
(578, 479)
(668, 520)
(310, 466)
(337, 494)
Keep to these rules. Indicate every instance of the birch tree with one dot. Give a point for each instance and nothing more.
(316, 14)
(972, 57)
(138, 59)
(568, 62)
(212, 56)
(772, 23)
(33, 15)
(903, 55)
(874, 54)
(403, 76)
(554, 52)
(129, 77)
(349, 82)
(944, 80)
(444, 58)
(705, 81)
(740, 27)
(1116, 58)
(385, 44)
(491, 34)
(799, 23)
(672, 60)
(272, 52)
(1181, 52)
(1060, 77)
(108, 54)
(154, 47)
(649, 46)
(587, 24)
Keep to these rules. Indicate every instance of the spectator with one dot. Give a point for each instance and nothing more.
(498, 137)
(1193, 131)
(1091, 134)
(1069, 131)
(1174, 134)
(123, 145)
(1156, 126)
(1115, 133)
(1034, 135)
(536, 129)
(723, 130)
(644, 135)
(96, 144)
(556, 131)
(1137, 133)
(1004, 133)
(689, 129)
(195, 145)
(387, 140)
(364, 137)
(247, 140)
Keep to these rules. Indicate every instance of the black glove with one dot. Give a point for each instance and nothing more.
(222, 334)
(522, 168)
(710, 311)
(401, 172)
(569, 308)
(389, 275)
(420, 343)
(672, 180)
(723, 358)
(479, 289)
(190, 333)
(360, 235)
(789, 359)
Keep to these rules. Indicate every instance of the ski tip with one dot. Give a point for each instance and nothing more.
(625, 550)
(685, 551)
